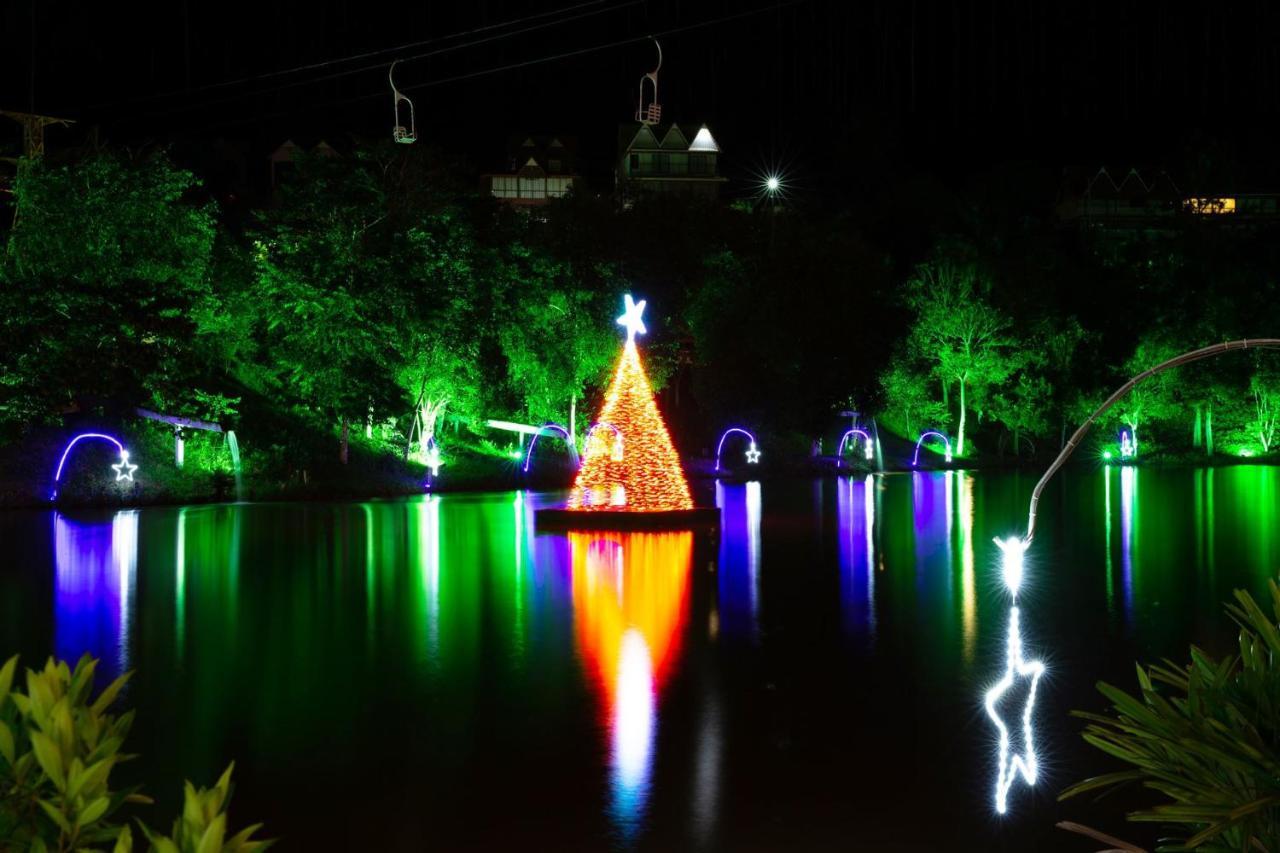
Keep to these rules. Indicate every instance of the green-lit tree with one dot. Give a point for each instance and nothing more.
(103, 278)
(1152, 399)
(968, 341)
(1265, 386)
(908, 400)
(327, 294)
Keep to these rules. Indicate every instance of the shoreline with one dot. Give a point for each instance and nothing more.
(477, 482)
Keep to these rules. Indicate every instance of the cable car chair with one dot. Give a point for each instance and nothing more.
(652, 114)
(399, 132)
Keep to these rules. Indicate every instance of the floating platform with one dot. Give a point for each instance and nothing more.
(608, 519)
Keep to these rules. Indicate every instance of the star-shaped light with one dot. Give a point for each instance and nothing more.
(631, 318)
(753, 455)
(124, 471)
(1009, 766)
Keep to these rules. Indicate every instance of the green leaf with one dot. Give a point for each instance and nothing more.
(109, 693)
(6, 678)
(50, 758)
(55, 815)
(6, 743)
(93, 811)
(211, 841)
(124, 841)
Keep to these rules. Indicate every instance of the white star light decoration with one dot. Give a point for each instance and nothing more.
(753, 455)
(631, 317)
(1009, 766)
(124, 471)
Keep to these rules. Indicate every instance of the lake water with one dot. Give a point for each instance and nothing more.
(435, 673)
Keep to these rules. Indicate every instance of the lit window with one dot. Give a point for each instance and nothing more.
(1210, 205)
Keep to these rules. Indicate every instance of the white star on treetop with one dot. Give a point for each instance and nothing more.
(631, 318)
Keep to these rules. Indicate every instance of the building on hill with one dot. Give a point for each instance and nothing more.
(1154, 202)
(539, 169)
(678, 159)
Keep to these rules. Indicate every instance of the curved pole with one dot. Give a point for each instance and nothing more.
(554, 427)
(1079, 434)
(915, 460)
(586, 442)
(67, 451)
(725, 435)
(866, 439)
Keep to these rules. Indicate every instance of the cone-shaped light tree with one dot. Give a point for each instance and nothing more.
(629, 462)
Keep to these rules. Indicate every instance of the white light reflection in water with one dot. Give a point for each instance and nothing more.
(428, 550)
(968, 593)
(95, 566)
(633, 725)
(1128, 532)
(1011, 763)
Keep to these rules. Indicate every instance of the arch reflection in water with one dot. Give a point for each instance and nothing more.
(630, 597)
(95, 565)
(1128, 533)
(855, 525)
(739, 559)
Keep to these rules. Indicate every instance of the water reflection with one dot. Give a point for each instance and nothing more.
(739, 569)
(1128, 534)
(629, 594)
(856, 524)
(968, 593)
(95, 566)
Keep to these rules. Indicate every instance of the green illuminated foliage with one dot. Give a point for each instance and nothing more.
(1205, 737)
(59, 745)
(104, 274)
(967, 341)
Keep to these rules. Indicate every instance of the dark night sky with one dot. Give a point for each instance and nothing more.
(832, 89)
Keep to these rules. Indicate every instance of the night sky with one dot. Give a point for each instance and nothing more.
(833, 91)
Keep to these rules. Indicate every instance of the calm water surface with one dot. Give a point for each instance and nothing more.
(436, 674)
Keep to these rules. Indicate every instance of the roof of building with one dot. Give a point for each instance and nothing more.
(668, 136)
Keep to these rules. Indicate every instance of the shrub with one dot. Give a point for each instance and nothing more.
(58, 747)
(1206, 736)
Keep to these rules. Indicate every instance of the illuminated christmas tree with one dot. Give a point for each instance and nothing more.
(629, 462)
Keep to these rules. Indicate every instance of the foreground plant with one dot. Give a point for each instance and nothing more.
(1206, 736)
(58, 746)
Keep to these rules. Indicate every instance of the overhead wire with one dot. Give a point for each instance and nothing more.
(294, 84)
(527, 63)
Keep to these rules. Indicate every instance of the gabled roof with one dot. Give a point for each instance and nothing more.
(703, 141)
(675, 140)
(637, 136)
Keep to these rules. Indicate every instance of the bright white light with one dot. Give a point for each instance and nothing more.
(124, 471)
(753, 455)
(1025, 762)
(704, 141)
(633, 718)
(1011, 563)
(772, 183)
(631, 317)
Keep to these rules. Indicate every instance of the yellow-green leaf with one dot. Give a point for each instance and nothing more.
(55, 815)
(50, 758)
(211, 841)
(109, 693)
(6, 743)
(124, 841)
(6, 677)
(93, 811)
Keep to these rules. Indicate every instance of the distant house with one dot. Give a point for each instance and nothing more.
(1155, 202)
(672, 158)
(539, 169)
(282, 158)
